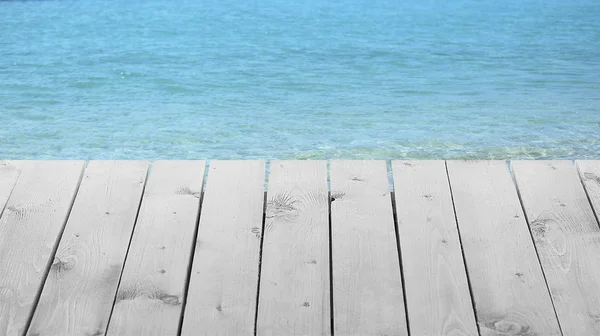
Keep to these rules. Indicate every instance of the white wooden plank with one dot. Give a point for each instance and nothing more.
(367, 284)
(567, 237)
(154, 277)
(589, 172)
(9, 172)
(437, 290)
(507, 282)
(29, 229)
(294, 285)
(80, 289)
(223, 286)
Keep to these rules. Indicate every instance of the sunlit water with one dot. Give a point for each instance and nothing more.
(231, 79)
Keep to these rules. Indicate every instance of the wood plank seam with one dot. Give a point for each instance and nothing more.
(566, 233)
(362, 226)
(52, 254)
(587, 194)
(150, 301)
(397, 233)
(260, 253)
(504, 271)
(512, 173)
(329, 199)
(222, 288)
(462, 251)
(193, 251)
(128, 246)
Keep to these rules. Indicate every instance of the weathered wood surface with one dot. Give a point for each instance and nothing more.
(507, 282)
(29, 229)
(9, 172)
(204, 274)
(367, 287)
(294, 287)
(437, 290)
(152, 288)
(80, 289)
(567, 237)
(589, 172)
(224, 281)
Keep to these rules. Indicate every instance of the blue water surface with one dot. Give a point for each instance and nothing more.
(307, 79)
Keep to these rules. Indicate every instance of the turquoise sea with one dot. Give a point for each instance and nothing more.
(306, 79)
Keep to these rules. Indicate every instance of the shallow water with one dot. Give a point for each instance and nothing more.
(310, 79)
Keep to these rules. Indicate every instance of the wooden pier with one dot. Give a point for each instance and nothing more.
(299, 248)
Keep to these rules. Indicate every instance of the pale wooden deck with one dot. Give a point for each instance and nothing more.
(460, 248)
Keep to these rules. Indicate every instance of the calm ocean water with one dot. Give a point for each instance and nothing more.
(305, 79)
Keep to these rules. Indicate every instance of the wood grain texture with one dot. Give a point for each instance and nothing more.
(223, 286)
(154, 277)
(294, 286)
(80, 289)
(567, 237)
(367, 285)
(511, 297)
(437, 290)
(9, 173)
(589, 172)
(29, 229)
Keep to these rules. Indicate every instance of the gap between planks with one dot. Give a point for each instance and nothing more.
(330, 247)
